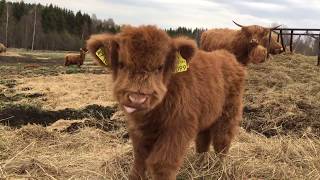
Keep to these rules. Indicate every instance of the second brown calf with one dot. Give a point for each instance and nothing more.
(75, 59)
(2, 48)
(275, 47)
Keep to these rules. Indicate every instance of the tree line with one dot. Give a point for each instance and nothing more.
(54, 28)
(35, 26)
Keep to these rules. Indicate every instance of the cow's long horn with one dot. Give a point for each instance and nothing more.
(237, 24)
(276, 27)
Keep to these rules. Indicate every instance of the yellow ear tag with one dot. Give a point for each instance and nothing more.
(182, 65)
(102, 56)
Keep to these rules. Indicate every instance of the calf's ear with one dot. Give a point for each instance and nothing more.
(183, 50)
(186, 47)
(104, 49)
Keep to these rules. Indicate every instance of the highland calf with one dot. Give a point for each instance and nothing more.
(75, 59)
(172, 94)
(275, 47)
(2, 48)
(240, 42)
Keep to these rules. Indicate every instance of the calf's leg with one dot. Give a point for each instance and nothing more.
(138, 171)
(167, 154)
(225, 128)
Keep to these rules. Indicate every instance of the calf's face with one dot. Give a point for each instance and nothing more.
(143, 60)
(255, 36)
(258, 54)
(275, 47)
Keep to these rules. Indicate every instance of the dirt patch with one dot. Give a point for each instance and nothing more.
(34, 95)
(19, 96)
(19, 115)
(108, 125)
(9, 83)
(28, 61)
(5, 98)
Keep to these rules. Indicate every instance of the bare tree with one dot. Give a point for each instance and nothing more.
(7, 24)
(34, 26)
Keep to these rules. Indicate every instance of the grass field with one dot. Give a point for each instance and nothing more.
(62, 123)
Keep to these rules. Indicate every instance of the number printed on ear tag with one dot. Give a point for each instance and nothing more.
(102, 56)
(182, 64)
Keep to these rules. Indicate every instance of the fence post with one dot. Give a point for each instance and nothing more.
(291, 39)
(7, 22)
(282, 43)
(34, 27)
(318, 50)
(269, 42)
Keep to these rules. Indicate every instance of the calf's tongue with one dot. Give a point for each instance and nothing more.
(129, 109)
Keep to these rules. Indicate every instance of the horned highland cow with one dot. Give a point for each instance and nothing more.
(239, 42)
(75, 59)
(172, 94)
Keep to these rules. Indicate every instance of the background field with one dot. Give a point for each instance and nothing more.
(77, 131)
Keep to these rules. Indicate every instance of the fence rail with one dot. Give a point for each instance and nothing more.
(293, 32)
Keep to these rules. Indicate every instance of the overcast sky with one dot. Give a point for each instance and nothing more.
(199, 13)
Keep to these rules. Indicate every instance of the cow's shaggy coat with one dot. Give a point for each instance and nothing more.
(166, 110)
(239, 42)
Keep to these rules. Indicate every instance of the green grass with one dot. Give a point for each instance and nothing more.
(41, 53)
(74, 69)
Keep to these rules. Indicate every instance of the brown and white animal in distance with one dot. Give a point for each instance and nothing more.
(76, 59)
(166, 109)
(2, 48)
(239, 42)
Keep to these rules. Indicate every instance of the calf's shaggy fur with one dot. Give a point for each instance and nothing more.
(75, 59)
(167, 110)
(2, 48)
(239, 42)
(275, 47)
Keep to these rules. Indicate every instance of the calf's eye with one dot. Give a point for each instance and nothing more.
(160, 68)
(121, 65)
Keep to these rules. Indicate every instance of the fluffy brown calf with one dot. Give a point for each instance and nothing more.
(239, 42)
(2, 48)
(275, 47)
(167, 109)
(75, 59)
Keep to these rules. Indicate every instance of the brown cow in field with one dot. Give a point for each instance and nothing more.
(2, 48)
(239, 42)
(75, 59)
(172, 94)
